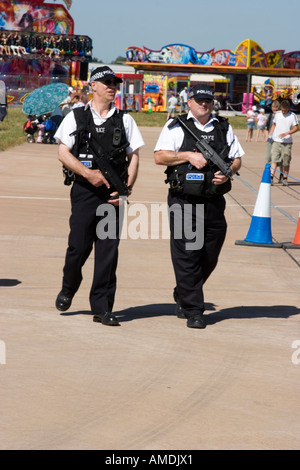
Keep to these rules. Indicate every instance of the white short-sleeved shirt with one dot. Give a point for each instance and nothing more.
(261, 119)
(172, 102)
(284, 123)
(251, 115)
(171, 139)
(183, 95)
(68, 125)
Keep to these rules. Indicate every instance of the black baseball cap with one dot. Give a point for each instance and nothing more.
(201, 91)
(101, 74)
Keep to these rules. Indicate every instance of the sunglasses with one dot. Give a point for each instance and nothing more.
(110, 82)
(203, 101)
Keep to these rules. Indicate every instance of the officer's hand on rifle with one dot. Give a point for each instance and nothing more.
(115, 199)
(196, 159)
(96, 178)
(219, 178)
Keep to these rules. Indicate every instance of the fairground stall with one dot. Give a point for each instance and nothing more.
(38, 47)
(158, 88)
(238, 67)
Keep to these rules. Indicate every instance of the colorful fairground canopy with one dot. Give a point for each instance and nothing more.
(248, 57)
(40, 31)
(40, 2)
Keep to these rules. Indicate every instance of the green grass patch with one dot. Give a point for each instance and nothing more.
(237, 122)
(145, 119)
(11, 129)
(12, 133)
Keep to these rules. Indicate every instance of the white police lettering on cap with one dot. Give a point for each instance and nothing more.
(101, 75)
(205, 92)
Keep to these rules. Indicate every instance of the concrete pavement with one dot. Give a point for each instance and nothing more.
(152, 383)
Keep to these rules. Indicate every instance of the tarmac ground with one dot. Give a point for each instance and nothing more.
(151, 383)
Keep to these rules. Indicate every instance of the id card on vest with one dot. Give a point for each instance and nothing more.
(86, 159)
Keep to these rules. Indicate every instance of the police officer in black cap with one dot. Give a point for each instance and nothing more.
(194, 183)
(103, 126)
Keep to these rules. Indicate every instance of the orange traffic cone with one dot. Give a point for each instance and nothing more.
(296, 242)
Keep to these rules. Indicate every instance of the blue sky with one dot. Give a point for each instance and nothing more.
(215, 24)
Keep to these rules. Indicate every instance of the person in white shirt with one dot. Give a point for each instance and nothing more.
(193, 183)
(102, 126)
(251, 117)
(261, 120)
(183, 95)
(172, 102)
(77, 102)
(285, 124)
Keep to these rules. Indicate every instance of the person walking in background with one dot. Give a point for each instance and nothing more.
(285, 124)
(183, 95)
(261, 120)
(251, 116)
(274, 108)
(172, 103)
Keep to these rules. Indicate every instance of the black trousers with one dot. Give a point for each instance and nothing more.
(193, 267)
(85, 199)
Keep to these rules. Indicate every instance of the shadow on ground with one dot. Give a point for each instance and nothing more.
(161, 310)
(9, 282)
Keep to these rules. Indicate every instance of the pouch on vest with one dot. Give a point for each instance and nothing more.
(186, 179)
(193, 180)
(194, 183)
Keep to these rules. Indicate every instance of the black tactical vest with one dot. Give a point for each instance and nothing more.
(111, 137)
(176, 175)
(216, 138)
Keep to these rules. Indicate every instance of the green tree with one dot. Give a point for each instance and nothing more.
(119, 60)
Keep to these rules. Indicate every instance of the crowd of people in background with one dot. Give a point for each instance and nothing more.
(277, 129)
(41, 129)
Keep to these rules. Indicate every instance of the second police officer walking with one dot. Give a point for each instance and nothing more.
(115, 130)
(175, 148)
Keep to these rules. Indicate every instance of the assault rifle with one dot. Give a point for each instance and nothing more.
(106, 168)
(207, 151)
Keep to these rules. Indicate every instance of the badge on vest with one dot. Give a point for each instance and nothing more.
(100, 130)
(87, 163)
(86, 160)
(194, 177)
(83, 156)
